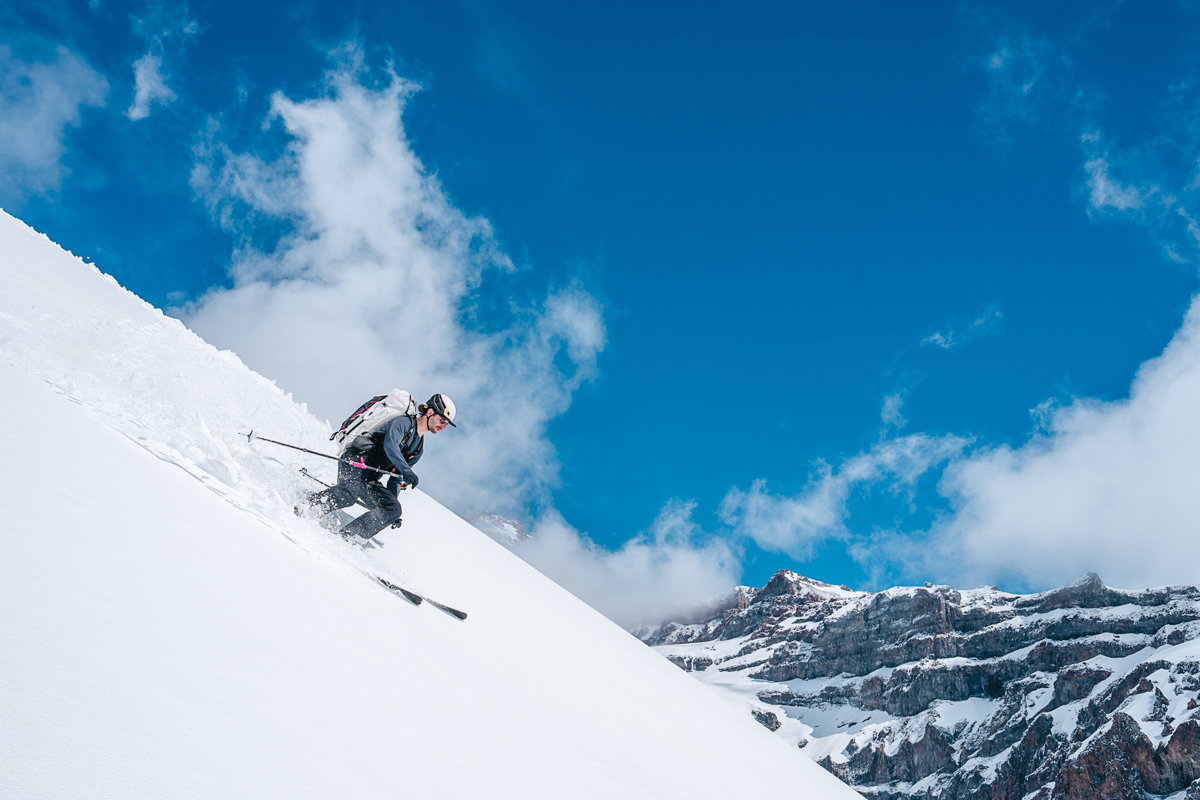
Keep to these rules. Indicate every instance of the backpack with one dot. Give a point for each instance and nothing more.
(373, 415)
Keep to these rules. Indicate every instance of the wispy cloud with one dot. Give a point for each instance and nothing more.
(891, 414)
(796, 524)
(1033, 82)
(149, 87)
(1142, 183)
(956, 334)
(165, 27)
(39, 102)
(1031, 79)
(1026, 78)
(1106, 194)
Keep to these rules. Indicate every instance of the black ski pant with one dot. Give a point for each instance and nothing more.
(355, 486)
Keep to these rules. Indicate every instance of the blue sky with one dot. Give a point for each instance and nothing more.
(854, 289)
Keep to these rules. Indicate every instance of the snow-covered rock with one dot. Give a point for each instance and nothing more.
(930, 692)
(503, 530)
(168, 628)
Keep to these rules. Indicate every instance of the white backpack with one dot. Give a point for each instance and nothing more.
(373, 415)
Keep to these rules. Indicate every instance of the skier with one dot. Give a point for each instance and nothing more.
(393, 448)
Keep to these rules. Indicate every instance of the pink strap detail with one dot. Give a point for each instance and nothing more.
(361, 463)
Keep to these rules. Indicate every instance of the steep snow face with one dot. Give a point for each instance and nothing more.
(170, 629)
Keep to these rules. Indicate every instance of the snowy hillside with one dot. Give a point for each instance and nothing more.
(1078, 693)
(170, 629)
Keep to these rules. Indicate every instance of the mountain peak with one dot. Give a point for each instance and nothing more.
(787, 582)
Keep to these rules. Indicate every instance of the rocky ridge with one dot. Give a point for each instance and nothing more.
(1080, 692)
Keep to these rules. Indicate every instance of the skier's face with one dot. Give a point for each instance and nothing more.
(435, 421)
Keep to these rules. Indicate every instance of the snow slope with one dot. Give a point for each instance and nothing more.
(169, 629)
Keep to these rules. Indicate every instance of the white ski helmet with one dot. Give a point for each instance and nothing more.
(443, 406)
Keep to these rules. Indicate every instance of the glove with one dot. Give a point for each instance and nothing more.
(398, 482)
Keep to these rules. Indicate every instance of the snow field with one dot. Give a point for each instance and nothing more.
(170, 629)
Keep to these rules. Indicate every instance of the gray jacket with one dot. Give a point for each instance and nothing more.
(394, 448)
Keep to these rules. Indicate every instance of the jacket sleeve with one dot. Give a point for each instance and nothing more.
(397, 429)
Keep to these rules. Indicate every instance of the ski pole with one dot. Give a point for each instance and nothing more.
(250, 437)
(304, 471)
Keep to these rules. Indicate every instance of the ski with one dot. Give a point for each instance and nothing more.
(416, 599)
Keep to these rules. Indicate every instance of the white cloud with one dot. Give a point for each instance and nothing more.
(377, 282)
(150, 87)
(795, 525)
(39, 101)
(658, 575)
(372, 284)
(1108, 486)
(375, 285)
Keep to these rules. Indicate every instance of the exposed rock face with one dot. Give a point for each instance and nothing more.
(1081, 692)
(503, 530)
(766, 718)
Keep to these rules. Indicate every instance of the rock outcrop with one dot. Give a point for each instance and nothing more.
(1080, 692)
(505, 531)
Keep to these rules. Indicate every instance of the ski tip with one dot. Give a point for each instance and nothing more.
(454, 612)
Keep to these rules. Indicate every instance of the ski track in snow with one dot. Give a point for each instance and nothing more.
(134, 384)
